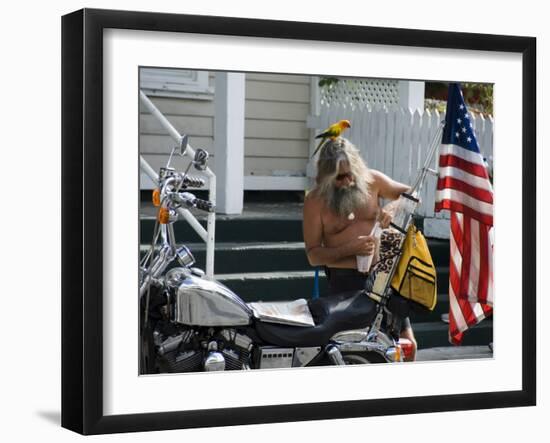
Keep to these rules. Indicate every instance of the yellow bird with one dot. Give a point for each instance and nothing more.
(332, 132)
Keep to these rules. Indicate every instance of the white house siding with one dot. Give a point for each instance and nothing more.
(192, 117)
(276, 136)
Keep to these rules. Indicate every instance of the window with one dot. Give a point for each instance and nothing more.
(178, 83)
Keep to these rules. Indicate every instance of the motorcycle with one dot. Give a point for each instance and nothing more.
(191, 323)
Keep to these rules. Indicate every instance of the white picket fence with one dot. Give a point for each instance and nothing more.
(395, 141)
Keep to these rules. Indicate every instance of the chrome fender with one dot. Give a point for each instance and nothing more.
(361, 340)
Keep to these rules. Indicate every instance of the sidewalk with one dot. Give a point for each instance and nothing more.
(251, 211)
(454, 353)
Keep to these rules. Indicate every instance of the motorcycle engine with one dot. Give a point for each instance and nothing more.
(203, 349)
(184, 348)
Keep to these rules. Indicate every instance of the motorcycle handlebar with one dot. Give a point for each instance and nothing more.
(193, 182)
(191, 201)
(205, 205)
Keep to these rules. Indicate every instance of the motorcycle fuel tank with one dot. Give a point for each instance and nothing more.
(202, 302)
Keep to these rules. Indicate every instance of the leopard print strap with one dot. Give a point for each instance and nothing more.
(389, 250)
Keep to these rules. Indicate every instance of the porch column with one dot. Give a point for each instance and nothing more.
(411, 95)
(229, 142)
(314, 125)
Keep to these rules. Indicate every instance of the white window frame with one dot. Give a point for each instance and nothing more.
(177, 83)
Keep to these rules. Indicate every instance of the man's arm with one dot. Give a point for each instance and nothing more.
(317, 253)
(388, 188)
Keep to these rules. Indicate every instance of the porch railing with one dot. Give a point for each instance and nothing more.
(208, 234)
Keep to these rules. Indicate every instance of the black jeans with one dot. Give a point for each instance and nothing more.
(344, 280)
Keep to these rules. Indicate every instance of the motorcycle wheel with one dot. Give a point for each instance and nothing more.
(362, 358)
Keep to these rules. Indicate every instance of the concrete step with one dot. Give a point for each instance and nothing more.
(294, 276)
(428, 327)
(281, 286)
(239, 257)
(285, 285)
(439, 249)
(422, 315)
(251, 257)
(262, 230)
(436, 334)
(234, 230)
(272, 286)
(260, 255)
(261, 288)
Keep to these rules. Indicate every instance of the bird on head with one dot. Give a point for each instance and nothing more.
(332, 132)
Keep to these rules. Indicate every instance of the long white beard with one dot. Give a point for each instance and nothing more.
(344, 201)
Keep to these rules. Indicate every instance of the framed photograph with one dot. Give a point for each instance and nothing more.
(211, 172)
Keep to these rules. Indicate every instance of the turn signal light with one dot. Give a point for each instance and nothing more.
(156, 197)
(398, 353)
(163, 216)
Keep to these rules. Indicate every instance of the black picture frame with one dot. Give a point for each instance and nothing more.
(82, 231)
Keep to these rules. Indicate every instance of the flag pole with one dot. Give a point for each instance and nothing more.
(436, 141)
(407, 203)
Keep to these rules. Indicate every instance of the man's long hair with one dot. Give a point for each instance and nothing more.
(342, 200)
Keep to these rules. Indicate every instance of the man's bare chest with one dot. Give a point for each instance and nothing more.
(334, 224)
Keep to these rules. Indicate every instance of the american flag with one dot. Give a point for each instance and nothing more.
(464, 188)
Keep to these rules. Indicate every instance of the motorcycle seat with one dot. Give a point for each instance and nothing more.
(332, 314)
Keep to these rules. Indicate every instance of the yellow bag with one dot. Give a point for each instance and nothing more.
(415, 277)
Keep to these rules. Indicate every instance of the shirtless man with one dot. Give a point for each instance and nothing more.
(339, 214)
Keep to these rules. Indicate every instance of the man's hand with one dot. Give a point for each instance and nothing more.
(384, 218)
(363, 245)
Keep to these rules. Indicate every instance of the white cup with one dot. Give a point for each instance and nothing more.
(364, 262)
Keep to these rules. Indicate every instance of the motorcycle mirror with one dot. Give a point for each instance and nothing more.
(201, 158)
(183, 144)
